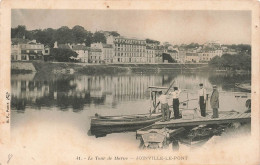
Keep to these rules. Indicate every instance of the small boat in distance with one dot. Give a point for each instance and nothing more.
(244, 86)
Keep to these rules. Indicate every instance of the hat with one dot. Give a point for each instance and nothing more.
(214, 86)
(200, 84)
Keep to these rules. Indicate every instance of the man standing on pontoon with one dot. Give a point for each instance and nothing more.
(175, 102)
(164, 106)
(202, 100)
(214, 101)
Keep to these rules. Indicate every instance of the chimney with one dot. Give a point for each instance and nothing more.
(55, 44)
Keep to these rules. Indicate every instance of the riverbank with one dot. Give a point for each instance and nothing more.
(63, 68)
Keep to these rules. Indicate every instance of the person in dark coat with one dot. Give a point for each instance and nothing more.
(175, 102)
(202, 100)
(214, 101)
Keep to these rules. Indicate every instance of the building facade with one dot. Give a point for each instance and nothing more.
(95, 55)
(108, 51)
(207, 55)
(192, 57)
(28, 51)
(82, 52)
(158, 54)
(173, 54)
(150, 54)
(128, 50)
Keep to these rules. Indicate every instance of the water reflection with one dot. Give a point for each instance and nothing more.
(80, 91)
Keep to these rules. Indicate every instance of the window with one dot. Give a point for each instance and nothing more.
(23, 57)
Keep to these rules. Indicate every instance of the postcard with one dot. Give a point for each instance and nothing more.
(129, 82)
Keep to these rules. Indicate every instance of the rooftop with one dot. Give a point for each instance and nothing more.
(63, 46)
(129, 38)
(16, 41)
(95, 50)
(107, 46)
(79, 47)
(172, 51)
(191, 54)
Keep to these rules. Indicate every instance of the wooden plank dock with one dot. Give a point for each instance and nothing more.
(223, 119)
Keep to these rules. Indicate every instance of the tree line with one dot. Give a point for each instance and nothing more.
(239, 61)
(62, 35)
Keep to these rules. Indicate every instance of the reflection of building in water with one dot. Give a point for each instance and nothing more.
(30, 90)
(82, 90)
(122, 88)
(23, 86)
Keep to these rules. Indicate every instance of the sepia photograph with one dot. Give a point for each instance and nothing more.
(131, 86)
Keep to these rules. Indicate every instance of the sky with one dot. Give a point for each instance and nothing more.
(176, 27)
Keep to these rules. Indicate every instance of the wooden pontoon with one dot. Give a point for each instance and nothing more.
(223, 119)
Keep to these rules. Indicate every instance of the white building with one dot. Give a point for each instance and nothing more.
(207, 55)
(192, 57)
(82, 52)
(128, 50)
(95, 55)
(28, 51)
(150, 55)
(108, 51)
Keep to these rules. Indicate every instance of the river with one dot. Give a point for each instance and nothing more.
(73, 99)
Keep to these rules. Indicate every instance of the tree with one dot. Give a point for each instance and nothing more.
(42, 37)
(89, 39)
(150, 41)
(99, 37)
(64, 35)
(192, 45)
(62, 55)
(234, 62)
(114, 33)
(18, 32)
(216, 62)
(79, 34)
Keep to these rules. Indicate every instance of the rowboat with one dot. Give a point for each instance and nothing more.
(103, 125)
(99, 120)
(245, 86)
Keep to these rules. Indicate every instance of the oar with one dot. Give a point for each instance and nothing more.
(187, 100)
(165, 94)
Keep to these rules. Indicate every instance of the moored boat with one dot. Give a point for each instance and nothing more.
(103, 125)
(245, 86)
(99, 120)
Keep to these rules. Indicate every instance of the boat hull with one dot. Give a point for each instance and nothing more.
(102, 127)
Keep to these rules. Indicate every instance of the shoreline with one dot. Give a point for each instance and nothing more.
(18, 67)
